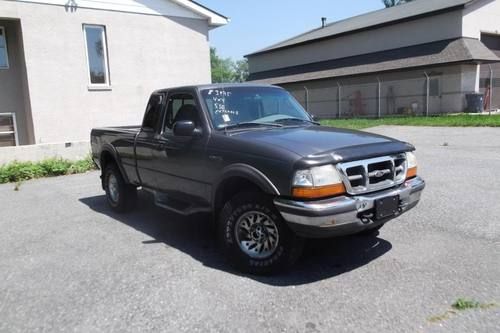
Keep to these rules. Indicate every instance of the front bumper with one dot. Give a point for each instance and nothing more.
(347, 214)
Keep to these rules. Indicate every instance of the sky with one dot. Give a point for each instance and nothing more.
(256, 24)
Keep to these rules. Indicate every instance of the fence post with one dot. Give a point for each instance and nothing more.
(379, 106)
(427, 94)
(491, 88)
(340, 99)
(307, 98)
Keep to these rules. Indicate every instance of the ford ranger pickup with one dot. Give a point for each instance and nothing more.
(268, 174)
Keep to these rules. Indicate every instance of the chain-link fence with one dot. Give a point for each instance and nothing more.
(419, 93)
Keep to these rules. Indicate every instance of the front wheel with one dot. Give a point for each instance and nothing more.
(255, 237)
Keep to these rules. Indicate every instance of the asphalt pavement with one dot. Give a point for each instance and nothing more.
(68, 263)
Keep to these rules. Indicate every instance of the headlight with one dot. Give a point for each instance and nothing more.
(317, 182)
(411, 161)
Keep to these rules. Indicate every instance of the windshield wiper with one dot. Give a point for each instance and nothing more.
(249, 124)
(297, 120)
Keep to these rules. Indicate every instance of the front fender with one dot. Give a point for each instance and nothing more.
(250, 173)
(246, 172)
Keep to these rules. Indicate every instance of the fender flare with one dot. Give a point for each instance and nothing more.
(107, 148)
(247, 172)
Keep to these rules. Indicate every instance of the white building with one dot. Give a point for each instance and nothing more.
(421, 57)
(69, 65)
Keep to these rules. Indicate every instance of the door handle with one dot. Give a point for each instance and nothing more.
(161, 145)
(161, 149)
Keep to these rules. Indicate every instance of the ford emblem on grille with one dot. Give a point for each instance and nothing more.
(381, 173)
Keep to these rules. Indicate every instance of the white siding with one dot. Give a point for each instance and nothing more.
(481, 16)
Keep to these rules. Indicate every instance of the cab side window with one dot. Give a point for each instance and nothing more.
(183, 103)
(152, 117)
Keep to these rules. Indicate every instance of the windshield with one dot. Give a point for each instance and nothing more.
(251, 105)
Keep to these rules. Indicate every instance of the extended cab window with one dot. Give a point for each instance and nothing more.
(152, 117)
(181, 103)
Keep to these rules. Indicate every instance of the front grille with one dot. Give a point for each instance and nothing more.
(373, 174)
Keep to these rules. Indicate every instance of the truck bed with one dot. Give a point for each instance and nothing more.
(116, 129)
(118, 140)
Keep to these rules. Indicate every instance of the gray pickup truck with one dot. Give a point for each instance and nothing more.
(254, 159)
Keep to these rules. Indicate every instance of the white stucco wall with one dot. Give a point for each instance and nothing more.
(425, 30)
(146, 52)
(481, 16)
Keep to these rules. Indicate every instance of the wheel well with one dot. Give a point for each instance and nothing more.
(229, 188)
(106, 158)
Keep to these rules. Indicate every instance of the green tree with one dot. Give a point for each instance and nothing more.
(222, 69)
(392, 3)
(241, 70)
(225, 70)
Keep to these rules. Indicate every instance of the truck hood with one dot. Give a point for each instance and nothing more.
(320, 141)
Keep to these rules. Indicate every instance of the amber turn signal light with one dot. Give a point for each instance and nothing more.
(318, 192)
(412, 172)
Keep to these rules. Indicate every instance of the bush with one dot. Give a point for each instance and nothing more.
(19, 171)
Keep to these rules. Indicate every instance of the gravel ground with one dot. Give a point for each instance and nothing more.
(69, 264)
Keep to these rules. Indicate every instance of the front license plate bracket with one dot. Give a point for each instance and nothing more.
(386, 207)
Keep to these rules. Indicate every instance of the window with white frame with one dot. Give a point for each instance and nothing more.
(8, 130)
(4, 56)
(97, 54)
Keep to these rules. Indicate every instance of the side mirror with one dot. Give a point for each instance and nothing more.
(185, 128)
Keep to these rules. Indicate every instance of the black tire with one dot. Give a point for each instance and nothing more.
(126, 197)
(371, 232)
(287, 246)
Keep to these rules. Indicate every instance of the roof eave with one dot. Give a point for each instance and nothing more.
(441, 53)
(381, 25)
(214, 18)
(277, 81)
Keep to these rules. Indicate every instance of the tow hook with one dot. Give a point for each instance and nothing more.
(366, 219)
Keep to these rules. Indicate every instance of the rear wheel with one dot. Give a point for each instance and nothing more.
(254, 236)
(121, 196)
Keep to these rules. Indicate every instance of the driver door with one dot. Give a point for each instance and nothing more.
(181, 160)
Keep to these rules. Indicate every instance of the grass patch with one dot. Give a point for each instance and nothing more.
(445, 121)
(464, 304)
(16, 172)
(461, 304)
